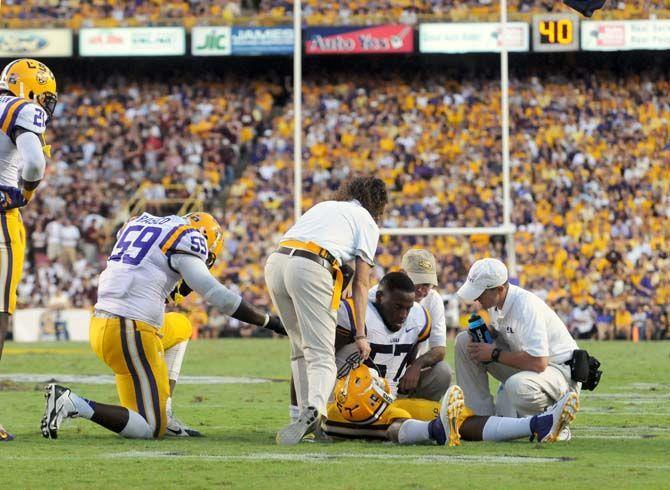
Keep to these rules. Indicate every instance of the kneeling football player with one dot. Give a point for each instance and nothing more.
(151, 255)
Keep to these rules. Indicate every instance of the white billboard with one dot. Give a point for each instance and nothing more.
(37, 43)
(211, 41)
(480, 37)
(132, 41)
(625, 35)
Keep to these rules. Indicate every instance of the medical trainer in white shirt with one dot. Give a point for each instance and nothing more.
(531, 347)
(304, 280)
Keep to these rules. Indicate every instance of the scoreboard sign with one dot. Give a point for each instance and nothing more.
(555, 32)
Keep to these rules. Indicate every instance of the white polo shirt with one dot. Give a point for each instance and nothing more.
(345, 229)
(526, 323)
(435, 306)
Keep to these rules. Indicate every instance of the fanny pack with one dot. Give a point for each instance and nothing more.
(584, 369)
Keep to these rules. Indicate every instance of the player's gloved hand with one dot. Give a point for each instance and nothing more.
(275, 324)
(11, 197)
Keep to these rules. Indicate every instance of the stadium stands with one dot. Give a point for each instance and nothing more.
(108, 13)
(590, 192)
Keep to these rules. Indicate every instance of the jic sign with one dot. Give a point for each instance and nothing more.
(37, 43)
(132, 41)
(384, 39)
(211, 41)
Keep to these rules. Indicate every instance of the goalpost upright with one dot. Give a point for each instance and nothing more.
(507, 228)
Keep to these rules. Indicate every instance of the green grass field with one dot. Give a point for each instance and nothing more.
(621, 438)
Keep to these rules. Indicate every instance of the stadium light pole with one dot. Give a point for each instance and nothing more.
(504, 94)
(297, 109)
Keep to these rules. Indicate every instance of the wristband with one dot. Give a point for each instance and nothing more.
(359, 337)
(267, 320)
(495, 354)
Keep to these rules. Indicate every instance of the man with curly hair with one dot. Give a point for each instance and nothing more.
(304, 278)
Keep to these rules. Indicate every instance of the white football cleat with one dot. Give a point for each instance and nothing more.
(451, 408)
(177, 428)
(551, 425)
(58, 407)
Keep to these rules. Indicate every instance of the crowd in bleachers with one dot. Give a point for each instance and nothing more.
(107, 140)
(110, 13)
(589, 188)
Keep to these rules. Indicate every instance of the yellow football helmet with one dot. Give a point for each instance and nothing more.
(32, 80)
(206, 224)
(362, 396)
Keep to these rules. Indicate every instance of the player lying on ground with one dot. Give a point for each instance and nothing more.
(151, 255)
(364, 408)
(395, 325)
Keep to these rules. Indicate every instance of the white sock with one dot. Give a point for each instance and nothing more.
(294, 412)
(174, 357)
(82, 405)
(168, 407)
(137, 427)
(413, 431)
(506, 428)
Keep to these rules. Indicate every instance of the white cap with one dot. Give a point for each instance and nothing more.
(484, 274)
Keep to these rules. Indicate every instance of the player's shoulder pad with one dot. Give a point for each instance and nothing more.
(419, 317)
(183, 238)
(26, 115)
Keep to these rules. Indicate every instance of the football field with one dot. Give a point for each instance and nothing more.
(236, 393)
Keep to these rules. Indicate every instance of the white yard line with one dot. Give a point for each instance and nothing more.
(103, 379)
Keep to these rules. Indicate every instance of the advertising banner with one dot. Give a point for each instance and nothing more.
(211, 41)
(480, 37)
(132, 41)
(37, 43)
(625, 35)
(385, 39)
(256, 41)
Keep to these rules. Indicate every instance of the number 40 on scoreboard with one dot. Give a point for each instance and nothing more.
(555, 32)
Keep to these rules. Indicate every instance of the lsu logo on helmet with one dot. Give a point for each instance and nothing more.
(362, 396)
(32, 80)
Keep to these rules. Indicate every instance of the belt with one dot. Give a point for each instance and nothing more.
(321, 256)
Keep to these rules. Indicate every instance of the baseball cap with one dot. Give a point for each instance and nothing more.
(419, 264)
(484, 274)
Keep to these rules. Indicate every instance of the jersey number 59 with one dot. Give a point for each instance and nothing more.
(134, 244)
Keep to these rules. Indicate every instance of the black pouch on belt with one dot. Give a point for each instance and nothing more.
(584, 369)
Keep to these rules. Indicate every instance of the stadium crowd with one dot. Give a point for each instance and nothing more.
(590, 194)
(111, 13)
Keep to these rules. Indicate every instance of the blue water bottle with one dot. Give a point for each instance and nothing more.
(478, 330)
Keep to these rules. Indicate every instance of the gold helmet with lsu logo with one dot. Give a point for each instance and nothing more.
(362, 396)
(206, 224)
(32, 80)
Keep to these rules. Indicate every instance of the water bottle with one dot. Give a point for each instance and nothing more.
(478, 330)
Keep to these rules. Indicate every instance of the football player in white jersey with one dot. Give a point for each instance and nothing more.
(27, 101)
(151, 255)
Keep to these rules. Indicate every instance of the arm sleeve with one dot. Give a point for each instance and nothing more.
(367, 239)
(438, 332)
(30, 148)
(533, 332)
(194, 271)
